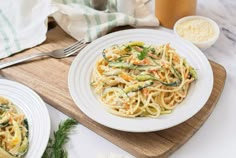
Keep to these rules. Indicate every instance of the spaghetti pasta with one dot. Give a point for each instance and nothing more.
(139, 80)
(13, 131)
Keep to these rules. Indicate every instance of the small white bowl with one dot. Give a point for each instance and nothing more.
(204, 44)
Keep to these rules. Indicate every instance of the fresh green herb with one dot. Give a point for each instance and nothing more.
(55, 148)
(26, 124)
(152, 50)
(104, 55)
(143, 53)
(128, 49)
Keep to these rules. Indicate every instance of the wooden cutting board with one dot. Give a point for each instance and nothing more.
(48, 77)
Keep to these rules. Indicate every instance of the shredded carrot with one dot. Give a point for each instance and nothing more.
(138, 48)
(145, 91)
(142, 62)
(126, 77)
(153, 56)
(126, 106)
(162, 77)
(10, 120)
(175, 57)
(100, 69)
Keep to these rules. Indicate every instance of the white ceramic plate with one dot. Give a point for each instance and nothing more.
(86, 100)
(35, 111)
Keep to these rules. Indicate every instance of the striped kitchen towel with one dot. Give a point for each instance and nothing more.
(80, 20)
(23, 23)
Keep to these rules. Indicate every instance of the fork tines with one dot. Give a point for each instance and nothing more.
(76, 45)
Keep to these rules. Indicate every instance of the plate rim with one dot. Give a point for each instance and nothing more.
(112, 35)
(33, 94)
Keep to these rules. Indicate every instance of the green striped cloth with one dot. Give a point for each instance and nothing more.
(22, 24)
(81, 21)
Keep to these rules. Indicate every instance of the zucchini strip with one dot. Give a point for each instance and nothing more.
(143, 77)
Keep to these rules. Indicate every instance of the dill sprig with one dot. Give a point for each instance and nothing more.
(55, 147)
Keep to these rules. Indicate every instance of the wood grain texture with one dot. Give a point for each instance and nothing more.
(48, 77)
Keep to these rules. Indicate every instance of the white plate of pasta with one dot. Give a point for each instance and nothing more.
(24, 121)
(140, 80)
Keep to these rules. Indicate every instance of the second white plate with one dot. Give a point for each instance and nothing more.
(35, 111)
(82, 94)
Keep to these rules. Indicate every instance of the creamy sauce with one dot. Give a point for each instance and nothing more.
(196, 30)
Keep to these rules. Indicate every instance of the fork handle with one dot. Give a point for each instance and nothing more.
(17, 61)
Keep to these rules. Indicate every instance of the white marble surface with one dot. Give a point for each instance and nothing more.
(217, 137)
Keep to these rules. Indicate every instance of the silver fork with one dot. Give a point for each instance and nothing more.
(59, 53)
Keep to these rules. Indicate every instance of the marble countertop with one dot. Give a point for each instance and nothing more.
(216, 138)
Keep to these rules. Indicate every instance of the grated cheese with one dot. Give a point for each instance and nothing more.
(196, 30)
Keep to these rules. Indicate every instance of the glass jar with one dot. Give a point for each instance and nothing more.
(169, 11)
